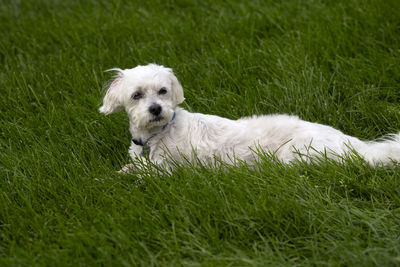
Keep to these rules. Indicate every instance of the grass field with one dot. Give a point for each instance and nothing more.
(61, 200)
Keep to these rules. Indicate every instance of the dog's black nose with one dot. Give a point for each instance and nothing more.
(155, 109)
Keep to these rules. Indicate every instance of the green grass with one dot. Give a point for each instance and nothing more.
(61, 200)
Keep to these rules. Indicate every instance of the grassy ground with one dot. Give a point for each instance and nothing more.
(61, 201)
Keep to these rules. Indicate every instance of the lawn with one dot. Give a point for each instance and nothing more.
(62, 202)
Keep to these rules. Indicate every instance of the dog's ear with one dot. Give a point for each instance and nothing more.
(176, 88)
(112, 99)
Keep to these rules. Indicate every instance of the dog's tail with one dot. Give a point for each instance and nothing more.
(385, 150)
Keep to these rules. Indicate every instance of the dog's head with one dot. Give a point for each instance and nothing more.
(149, 95)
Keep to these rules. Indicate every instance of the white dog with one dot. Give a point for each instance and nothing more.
(160, 129)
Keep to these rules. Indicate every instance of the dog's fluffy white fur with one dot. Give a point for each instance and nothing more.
(150, 95)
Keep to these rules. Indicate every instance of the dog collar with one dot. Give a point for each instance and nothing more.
(146, 147)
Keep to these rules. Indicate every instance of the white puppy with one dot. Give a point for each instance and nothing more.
(160, 129)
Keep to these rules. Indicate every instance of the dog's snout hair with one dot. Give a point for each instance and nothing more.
(155, 109)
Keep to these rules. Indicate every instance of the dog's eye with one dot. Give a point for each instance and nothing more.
(162, 91)
(137, 95)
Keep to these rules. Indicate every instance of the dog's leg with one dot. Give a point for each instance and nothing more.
(127, 169)
(134, 152)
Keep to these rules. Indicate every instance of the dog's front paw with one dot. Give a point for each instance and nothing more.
(127, 169)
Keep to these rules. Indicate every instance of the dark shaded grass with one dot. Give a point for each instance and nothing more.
(61, 201)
